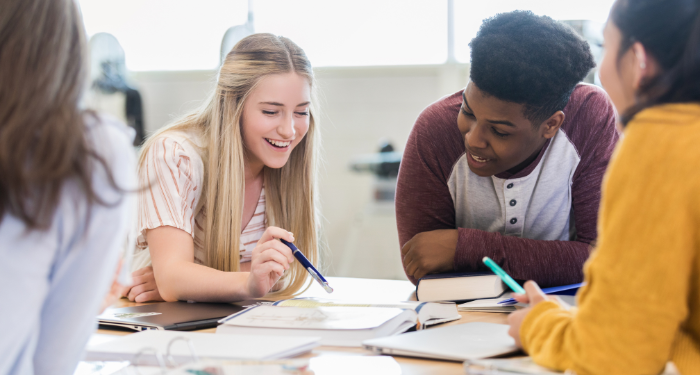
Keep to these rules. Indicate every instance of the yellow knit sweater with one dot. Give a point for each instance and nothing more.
(641, 305)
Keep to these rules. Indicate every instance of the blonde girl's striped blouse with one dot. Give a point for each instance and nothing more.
(174, 170)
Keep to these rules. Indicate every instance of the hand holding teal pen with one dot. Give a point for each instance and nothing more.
(504, 276)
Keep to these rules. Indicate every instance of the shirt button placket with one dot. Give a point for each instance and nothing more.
(512, 211)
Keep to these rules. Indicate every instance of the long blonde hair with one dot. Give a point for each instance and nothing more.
(292, 206)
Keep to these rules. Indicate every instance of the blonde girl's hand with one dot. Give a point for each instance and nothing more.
(269, 261)
(144, 287)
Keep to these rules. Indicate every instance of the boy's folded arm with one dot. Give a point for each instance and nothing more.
(423, 200)
(549, 263)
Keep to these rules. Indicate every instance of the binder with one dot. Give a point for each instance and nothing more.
(169, 349)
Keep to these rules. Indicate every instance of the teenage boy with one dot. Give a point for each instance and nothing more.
(511, 166)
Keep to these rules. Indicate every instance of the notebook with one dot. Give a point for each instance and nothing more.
(492, 305)
(429, 313)
(337, 326)
(505, 366)
(324, 364)
(459, 286)
(176, 316)
(564, 290)
(205, 345)
(453, 343)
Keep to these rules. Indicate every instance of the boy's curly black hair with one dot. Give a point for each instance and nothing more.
(528, 59)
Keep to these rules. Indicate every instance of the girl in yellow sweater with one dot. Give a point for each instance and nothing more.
(640, 307)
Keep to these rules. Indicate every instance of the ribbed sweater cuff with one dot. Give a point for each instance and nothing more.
(534, 320)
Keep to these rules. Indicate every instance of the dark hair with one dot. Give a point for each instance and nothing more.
(532, 60)
(42, 129)
(669, 30)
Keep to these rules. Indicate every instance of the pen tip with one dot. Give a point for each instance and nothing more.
(484, 259)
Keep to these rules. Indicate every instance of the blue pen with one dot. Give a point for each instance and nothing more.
(309, 267)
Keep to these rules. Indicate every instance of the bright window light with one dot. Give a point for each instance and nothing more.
(186, 34)
(166, 34)
(469, 15)
(360, 32)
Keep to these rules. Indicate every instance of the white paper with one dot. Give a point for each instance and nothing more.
(487, 302)
(330, 318)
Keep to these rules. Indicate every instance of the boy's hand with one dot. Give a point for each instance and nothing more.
(430, 252)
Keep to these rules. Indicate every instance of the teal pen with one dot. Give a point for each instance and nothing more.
(503, 275)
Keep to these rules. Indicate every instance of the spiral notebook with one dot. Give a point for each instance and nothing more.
(156, 348)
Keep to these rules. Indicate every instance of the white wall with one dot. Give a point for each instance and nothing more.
(359, 106)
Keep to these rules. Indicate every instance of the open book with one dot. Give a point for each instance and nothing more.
(336, 326)
(429, 313)
(337, 323)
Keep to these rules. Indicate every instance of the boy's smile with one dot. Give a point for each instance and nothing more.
(497, 135)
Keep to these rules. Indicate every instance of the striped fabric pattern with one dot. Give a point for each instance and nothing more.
(173, 172)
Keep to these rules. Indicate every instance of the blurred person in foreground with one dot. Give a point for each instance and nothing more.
(64, 213)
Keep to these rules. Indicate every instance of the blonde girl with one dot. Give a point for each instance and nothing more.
(225, 179)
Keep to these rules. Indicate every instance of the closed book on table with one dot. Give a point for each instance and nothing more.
(336, 326)
(459, 286)
(452, 343)
(173, 316)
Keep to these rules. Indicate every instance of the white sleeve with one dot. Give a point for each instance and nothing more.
(85, 264)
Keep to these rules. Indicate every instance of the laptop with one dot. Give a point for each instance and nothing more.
(458, 342)
(174, 316)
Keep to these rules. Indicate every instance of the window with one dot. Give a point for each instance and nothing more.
(166, 34)
(360, 32)
(186, 35)
(469, 15)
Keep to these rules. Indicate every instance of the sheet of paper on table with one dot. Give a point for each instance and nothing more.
(321, 365)
(488, 305)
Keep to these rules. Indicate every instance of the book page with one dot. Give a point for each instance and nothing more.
(429, 312)
(486, 302)
(335, 318)
(317, 302)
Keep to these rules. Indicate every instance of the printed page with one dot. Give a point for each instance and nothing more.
(430, 312)
(317, 302)
(333, 318)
